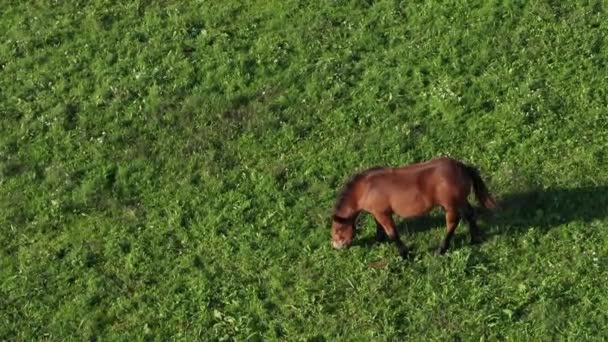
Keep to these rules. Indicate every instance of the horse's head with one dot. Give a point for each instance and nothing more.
(342, 232)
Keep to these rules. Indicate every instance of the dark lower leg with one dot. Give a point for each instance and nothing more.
(471, 218)
(451, 220)
(380, 233)
(386, 221)
(476, 234)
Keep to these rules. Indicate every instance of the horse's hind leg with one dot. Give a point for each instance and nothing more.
(386, 221)
(451, 221)
(469, 215)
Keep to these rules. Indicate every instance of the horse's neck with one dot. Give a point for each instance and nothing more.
(349, 203)
(346, 211)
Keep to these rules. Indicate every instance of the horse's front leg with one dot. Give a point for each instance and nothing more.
(386, 221)
(380, 233)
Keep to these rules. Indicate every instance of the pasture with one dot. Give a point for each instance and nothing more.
(168, 168)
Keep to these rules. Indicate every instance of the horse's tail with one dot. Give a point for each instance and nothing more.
(479, 187)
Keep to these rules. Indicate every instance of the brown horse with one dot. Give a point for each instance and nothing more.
(410, 191)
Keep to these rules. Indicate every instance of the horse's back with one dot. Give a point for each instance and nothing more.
(415, 189)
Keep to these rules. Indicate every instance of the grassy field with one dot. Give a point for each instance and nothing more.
(168, 169)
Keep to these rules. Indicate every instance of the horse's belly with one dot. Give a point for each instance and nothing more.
(409, 205)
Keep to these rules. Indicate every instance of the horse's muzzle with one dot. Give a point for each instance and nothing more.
(340, 244)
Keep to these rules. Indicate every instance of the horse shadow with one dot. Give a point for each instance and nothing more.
(545, 209)
(541, 209)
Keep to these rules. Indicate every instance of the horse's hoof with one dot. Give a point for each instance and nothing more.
(476, 239)
(405, 253)
(440, 251)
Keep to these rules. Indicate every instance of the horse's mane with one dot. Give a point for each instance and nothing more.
(349, 186)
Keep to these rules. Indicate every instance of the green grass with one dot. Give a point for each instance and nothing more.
(168, 169)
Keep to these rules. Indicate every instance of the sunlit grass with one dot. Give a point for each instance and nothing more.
(167, 169)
